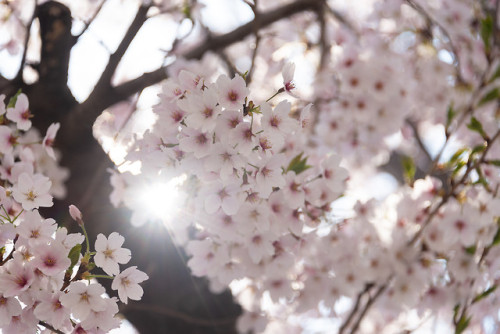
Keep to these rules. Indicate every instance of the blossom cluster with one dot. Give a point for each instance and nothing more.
(259, 185)
(253, 190)
(45, 282)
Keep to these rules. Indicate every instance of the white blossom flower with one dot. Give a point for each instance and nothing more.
(16, 278)
(20, 113)
(82, 299)
(51, 310)
(109, 253)
(48, 140)
(232, 92)
(51, 259)
(127, 284)
(9, 307)
(32, 191)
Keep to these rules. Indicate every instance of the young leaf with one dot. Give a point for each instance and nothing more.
(484, 294)
(74, 255)
(495, 75)
(409, 169)
(456, 156)
(487, 31)
(476, 126)
(298, 165)
(471, 250)
(478, 149)
(450, 114)
(462, 324)
(13, 100)
(494, 162)
(459, 166)
(496, 238)
(490, 96)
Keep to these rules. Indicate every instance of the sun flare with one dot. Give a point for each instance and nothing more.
(161, 200)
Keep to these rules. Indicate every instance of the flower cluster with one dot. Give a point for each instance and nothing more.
(44, 279)
(259, 185)
(253, 192)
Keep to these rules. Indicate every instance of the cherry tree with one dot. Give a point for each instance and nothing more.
(271, 135)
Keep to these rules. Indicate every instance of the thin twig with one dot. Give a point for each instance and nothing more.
(323, 42)
(368, 304)
(101, 98)
(454, 187)
(355, 309)
(420, 143)
(46, 325)
(436, 23)
(89, 22)
(19, 74)
(339, 17)
(254, 56)
(114, 59)
(256, 21)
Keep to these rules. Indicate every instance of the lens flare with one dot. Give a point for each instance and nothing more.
(162, 200)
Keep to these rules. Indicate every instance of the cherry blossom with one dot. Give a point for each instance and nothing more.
(109, 253)
(48, 140)
(20, 113)
(127, 284)
(32, 191)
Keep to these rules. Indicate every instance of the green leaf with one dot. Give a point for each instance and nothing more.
(490, 96)
(496, 238)
(450, 114)
(487, 31)
(13, 100)
(478, 149)
(462, 324)
(494, 162)
(298, 164)
(455, 157)
(459, 166)
(186, 10)
(476, 126)
(456, 308)
(74, 255)
(471, 250)
(484, 294)
(409, 169)
(495, 75)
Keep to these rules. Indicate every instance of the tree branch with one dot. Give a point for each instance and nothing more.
(122, 91)
(179, 315)
(89, 22)
(355, 309)
(19, 74)
(339, 17)
(46, 325)
(419, 9)
(323, 42)
(104, 95)
(105, 80)
(368, 304)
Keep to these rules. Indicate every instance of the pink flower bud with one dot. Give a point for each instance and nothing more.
(75, 213)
